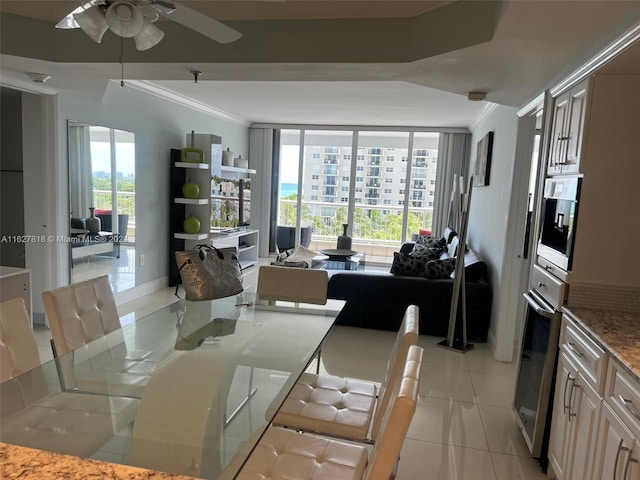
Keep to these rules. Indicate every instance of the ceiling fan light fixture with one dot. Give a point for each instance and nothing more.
(92, 22)
(124, 19)
(149, 36)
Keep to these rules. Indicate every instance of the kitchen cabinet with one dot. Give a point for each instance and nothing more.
(575, 420)
(580, 382)
(618, 450)
(569, 113)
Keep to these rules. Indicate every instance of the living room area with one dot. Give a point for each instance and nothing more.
(358, 135)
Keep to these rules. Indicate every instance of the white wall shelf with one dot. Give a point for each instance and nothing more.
(191, 236)
(198, 166)
(192, 201)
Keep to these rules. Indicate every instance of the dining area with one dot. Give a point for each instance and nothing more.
(218, 389)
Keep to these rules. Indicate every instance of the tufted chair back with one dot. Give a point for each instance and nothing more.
(396, 420)
(407, 335)
(80, 313)
(292, 284)
(18, 349)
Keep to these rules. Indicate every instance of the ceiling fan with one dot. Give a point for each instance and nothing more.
(136, 18)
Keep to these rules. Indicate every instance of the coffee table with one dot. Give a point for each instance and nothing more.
(340, 260)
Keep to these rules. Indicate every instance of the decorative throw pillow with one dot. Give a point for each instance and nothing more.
(430, 241)
(405, 264)
(439, 268)
(425, 252)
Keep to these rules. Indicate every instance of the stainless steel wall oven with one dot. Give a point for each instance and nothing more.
(559, 220)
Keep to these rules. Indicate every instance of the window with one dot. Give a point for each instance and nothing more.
(325, 166)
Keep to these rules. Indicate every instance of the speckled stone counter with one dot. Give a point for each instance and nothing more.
(26, 463)
(617, 332)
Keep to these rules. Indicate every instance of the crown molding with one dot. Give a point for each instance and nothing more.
(482, 115)
(161, 92)
(623, 41)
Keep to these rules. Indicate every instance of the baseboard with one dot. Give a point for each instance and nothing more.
(141, 290)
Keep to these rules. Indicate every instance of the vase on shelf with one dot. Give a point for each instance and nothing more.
(344, 240)
(93, 223)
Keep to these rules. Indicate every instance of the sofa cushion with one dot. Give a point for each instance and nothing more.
(426, 252)
(429, 241)
(439, 268)
(407, 265)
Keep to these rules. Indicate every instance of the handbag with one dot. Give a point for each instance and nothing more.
(208, 272)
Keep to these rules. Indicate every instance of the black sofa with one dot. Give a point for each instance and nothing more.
(378, 299)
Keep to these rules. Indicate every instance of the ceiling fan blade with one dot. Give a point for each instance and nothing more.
(70, 22)
(204, 25)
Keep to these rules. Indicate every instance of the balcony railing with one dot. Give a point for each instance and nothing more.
(385, 230)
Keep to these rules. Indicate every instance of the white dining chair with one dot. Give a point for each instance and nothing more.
(286, 453)
(347, 408)
(33, 414)
(84, 319)
(292, 284)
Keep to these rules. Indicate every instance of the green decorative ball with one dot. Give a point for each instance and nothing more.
(191, 224)
(190, 189)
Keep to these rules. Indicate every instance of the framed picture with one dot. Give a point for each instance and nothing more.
(483, 161)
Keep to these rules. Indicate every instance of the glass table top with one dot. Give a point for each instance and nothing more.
(188, 389)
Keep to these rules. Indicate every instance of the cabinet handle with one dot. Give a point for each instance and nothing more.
(566, 407)
(548, 268)
(615, 465)
(629, 460)
(573, 386)
(628, 404)
(572, 346)
(541, 285)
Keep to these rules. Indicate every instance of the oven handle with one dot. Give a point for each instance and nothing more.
(539, 309)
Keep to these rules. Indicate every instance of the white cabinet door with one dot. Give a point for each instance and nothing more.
(574, 426)
(617, 450)
(584, 412)
(560, 435)
(557, 150)
(575, 130)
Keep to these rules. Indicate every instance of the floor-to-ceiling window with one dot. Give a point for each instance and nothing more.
(380, 183)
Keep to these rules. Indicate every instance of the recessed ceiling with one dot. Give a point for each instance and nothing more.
(404, 63)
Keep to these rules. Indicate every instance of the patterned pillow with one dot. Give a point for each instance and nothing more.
(426, 252)
(430, 241)
(405, 264)
(439, 268)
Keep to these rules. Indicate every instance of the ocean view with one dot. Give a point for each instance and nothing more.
(287, 189)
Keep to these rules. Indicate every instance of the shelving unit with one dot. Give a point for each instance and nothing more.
(180, 207)
(245, 240)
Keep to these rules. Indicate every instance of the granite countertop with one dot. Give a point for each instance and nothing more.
(617, 332)
(26, 463)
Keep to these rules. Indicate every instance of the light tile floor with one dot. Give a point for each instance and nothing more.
(463, 428)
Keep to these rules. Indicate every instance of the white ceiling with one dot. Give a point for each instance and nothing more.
(533, 46)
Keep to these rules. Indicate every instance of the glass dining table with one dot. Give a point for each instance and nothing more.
(206, 377)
